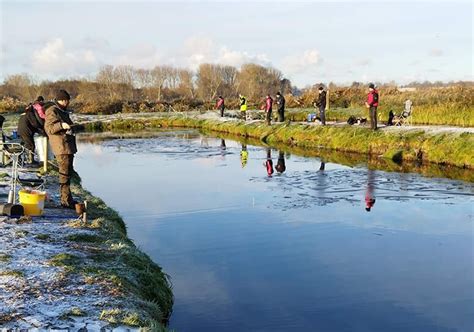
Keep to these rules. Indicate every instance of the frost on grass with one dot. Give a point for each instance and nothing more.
(57, 273)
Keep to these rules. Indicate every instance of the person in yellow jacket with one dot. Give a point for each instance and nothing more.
(243, 106)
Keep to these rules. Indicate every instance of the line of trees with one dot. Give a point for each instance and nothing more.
(129, 89)
(161, 83)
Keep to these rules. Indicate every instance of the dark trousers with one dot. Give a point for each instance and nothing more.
(322, 114)
(373, 117)
(222, 112)
(281, 115)
(26, 136)
(66, 169)
(269, 117)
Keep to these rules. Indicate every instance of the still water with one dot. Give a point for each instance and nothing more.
(294, 251)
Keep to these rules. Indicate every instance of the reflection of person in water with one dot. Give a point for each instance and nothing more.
(269, 163)
(323, 165)
(280, 166)
(244, 155)
(369, 194)
(223, 148)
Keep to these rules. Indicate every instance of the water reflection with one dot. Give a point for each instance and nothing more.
(294, 252)
(369, 194)
(244, 155)
(269, 162)
(281, 167)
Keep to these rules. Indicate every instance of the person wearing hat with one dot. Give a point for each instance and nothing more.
(220, 105)
(321, 104)
(280, 101)
(30, 123)
(61, 133)
(268, 109)
(372, 103)
(243, 106)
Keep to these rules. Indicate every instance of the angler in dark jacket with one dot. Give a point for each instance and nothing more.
(61, 134)
(321, 104)
(280, 101)
(30, 123)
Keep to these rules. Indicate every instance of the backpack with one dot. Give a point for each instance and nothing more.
(375, 96)
(352, 120)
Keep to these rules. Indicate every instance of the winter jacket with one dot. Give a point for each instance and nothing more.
(373, 98)
(243, 103)
(268, 104)
(220, 104)
(62, 141)
(280, 100)
(32, 121)
(321, 102)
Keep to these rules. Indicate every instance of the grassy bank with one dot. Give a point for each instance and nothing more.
(115, 260)
(415, 145)
(423, 115)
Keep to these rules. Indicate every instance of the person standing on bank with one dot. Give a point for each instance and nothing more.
(372, 103)
(59, 128)
(30, 123)
(321, 104)
(280, 100)
(268, 109)
(220, 105)
(243, 107)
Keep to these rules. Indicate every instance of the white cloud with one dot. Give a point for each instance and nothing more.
(55, 59)
(139, 55)
(198, 50)
(299, 63)
(363, 62)
(436, 52)
(237, 58)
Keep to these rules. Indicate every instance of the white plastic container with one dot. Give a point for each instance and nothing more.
(39, 148)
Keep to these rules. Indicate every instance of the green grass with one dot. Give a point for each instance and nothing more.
(118, 316)
(445, 149)
(5, 258)
(12, 273)
(64, 260)
(73, 312)
(43, 237)
(118, 263)
(90, 238)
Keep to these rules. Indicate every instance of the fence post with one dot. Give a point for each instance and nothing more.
(45, 162)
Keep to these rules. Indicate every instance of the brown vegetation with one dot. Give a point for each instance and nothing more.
(164, 88)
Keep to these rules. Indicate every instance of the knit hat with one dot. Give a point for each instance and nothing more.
(62, 95)
(40, 99)
(371, 86)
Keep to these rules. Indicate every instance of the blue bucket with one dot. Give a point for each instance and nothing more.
(311, 117)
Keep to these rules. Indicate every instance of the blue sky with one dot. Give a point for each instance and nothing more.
(339, 41)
